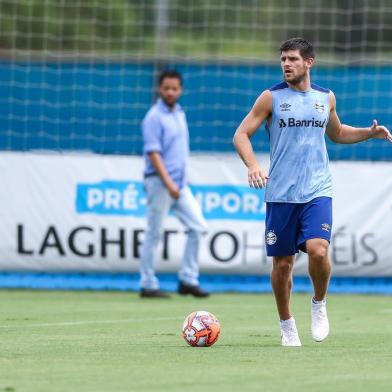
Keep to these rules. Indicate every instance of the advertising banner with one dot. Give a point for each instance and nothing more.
(87, 213)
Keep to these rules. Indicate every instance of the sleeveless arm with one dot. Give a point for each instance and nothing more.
(260, 112)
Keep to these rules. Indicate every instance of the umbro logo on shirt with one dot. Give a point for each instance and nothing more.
(285, 107)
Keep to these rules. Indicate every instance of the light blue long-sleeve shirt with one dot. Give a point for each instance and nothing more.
(165, 130)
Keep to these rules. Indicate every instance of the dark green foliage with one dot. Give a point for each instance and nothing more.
(207, 27)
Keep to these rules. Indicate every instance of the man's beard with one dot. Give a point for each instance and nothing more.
(171, 104)
(297, 80)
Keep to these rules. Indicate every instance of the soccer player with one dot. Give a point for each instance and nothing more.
(166, 151)
(298, 190)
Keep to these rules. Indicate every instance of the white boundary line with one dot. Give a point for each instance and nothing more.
(86, 322)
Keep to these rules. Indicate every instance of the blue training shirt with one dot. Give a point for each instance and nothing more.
(165, 130)
(299, 170)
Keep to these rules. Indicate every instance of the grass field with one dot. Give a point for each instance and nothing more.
(109, 341)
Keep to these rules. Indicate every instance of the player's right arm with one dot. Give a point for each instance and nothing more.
(261, 111)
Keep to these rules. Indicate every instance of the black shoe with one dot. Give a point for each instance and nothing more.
(151, 293)
(196, 291)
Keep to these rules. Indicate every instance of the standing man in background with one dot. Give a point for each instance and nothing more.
(299, 184)
(166, 152)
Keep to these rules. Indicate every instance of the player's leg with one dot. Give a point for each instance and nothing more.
(158, 205)
(320, 272)
(280, 238)
(189, 212)
(281, 280)
(316, 224)
(319, 266)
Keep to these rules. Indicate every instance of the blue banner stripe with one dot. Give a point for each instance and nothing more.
(128, 198)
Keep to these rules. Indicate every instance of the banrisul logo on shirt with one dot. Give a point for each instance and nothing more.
(129, 198)
(293, 122)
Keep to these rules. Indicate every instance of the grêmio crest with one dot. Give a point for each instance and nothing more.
(319, 107)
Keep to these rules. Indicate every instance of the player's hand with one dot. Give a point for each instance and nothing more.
(257, 177)
(380, 132)
(174, 190)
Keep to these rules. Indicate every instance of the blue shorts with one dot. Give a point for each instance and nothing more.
(289, 225)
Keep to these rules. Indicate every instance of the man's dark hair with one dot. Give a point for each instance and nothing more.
(305, 48)
(169, 73)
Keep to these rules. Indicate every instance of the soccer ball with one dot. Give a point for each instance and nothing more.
(201, 329)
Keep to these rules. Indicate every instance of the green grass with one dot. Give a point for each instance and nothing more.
(105, 341)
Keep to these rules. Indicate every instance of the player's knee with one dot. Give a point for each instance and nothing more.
(283, 265)
(318, 251)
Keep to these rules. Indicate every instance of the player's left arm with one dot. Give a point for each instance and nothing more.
(345, 134)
